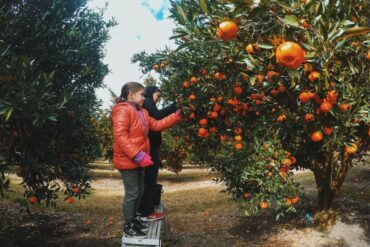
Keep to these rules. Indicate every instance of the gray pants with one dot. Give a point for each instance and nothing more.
(133, 181)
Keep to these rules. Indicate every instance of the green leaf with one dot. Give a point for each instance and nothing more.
(353, 31)
(291, 20)
(182, 14)
(182, 46)
(284, 5)
(265, 46)
(203, 6)
(52, 118)
(9, 113)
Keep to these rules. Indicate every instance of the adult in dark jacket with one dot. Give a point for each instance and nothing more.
(152, 97)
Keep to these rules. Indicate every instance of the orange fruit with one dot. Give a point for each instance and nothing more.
(290, 54)
(304, 23)
(345, 107)
(238, 138)
(203, 72)
(219, 76)
(227, 30)
(271, 74)
(295, 199)
(70, 200)
(213, 115)
(213, 130)
(293, 160)
(254, 96)
(288, 202)
(281, 118)
(203, 121)
(312, 95)
(220, 99)
(186, 84)
(282, 174)
(287, 162)
(304, 97)
(155, 66)
(192, 115)
(223, 138)
(328, 130)
(192, 96)
(238, 131)
(281, 88)
(246, 195)
(332, 97)
(274, 92)
(238, 146)
(33, 199)
(260, 79)
(307, 67)
(325, 107)
(238, 90)
(314, 75)
(368, 55)
(249, 48)
(75, 189)
(202, 131)
(264, 204)
(351, 148)
(222, 112)
(194, 80)
(317, 136)
(216, 107)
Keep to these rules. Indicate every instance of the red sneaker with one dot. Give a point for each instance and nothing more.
(153, 216)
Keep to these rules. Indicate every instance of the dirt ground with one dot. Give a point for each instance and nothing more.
(197, 214)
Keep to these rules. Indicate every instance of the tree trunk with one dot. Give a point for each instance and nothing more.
(329, 179)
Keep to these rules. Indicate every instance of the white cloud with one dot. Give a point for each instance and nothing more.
(137, 30)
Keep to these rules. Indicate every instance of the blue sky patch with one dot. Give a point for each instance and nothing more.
(159, 12)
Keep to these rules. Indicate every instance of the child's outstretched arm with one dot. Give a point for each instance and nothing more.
(121, 122)
(159, 125)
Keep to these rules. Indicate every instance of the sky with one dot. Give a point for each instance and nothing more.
(143, 25)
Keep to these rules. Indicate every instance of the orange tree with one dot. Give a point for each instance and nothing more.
(270, 86)
(50, 65)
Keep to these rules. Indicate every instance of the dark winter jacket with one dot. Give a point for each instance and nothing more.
(155, 137)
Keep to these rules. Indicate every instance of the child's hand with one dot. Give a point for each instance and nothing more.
(147, 161)
(143, 159)
(178, 115)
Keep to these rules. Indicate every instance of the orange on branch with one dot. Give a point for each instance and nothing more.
(290, 54)
(351, 148)
(186, 84)
(314, 75)
(227, 30)
(203, 121)
(317, 136)
(328, 130)
(325, 107)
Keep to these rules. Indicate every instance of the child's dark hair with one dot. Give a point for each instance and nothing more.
(129, 87)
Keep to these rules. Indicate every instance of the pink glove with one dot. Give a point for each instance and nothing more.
(147, 161)
(143, 159)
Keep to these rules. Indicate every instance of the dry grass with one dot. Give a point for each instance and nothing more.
(197, 216)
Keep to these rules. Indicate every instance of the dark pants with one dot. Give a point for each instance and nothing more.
(150, 181)
(133, 181)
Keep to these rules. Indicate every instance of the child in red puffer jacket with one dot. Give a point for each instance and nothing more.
(131, 148)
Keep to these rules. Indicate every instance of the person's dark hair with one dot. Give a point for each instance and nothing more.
(129, 87)
(150, 90)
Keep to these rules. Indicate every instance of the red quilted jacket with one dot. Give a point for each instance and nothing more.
(131, 135)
